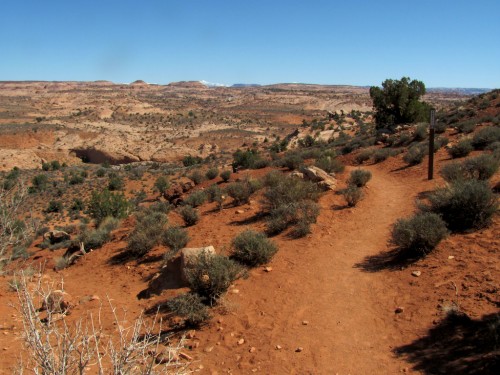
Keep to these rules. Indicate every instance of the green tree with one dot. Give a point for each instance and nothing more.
(398, 102)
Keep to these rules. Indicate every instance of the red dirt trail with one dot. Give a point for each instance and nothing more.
(317, 299)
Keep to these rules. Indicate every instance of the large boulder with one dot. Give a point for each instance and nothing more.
(56, 236)
(322, 178)
(189, 257)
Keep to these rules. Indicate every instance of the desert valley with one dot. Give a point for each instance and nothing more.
(316, 243)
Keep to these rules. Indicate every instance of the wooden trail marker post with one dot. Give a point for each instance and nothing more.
(431, 145)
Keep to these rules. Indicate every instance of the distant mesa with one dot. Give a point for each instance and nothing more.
(139, 82)
(237, 85)
(458, 90)
(188, 84)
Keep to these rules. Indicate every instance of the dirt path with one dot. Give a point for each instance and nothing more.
(316, 298)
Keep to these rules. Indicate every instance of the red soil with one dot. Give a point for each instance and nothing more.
(333, 294)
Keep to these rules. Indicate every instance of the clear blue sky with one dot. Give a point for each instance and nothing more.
(449, 43)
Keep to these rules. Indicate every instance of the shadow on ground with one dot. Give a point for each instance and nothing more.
(392, 260)
(457, 345)
(168, 278)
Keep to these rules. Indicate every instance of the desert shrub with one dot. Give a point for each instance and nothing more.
(175, 238)
(420, 132)
(452, 172)
(163, 207)
(77, 205)
(245, 159)
(419, 234)
(197, 177)
(39, 183)
(300, 214)
(106, 203)
(116, 183)
(466, 126)
(464, 205)
(313, 153)
(55, 165)
(352, 194)
(54, 206)
(108, 224)
(211, 275)
(403, 140)
(381, 154)
(161, 184)
(225, 175)
(212, 173)
(415, 154)
(481, 167)
(495, 146)
(136, 173)
(20, 252)
(190, 215)
(461, 149)
(45, 166)
(363, 156)
(240, 192)
(189, 306)
(147, 232)
(213, 193)
(484, 137)
(95, 238)
(292, 161)
(76, 179)
(282, 190)
(440, 142)
(440, 127)
(330, 165)
(359, 177)
(190, 160)
(196, 198)
(101, 172)
(261, 163)
(253, 248)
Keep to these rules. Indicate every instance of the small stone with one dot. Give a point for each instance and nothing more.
(220, 320)
(451, 257)
(278, 347)
(305, 322)
(241, 341)
(220, 329)
(240, 211)
(268, 269)
(299, 349)
(208, 349)
(399, 310)
(191, 334)
(252, 349)
(235, 291)
(416, 273)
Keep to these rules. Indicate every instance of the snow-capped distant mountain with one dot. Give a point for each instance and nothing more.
(211, 84)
